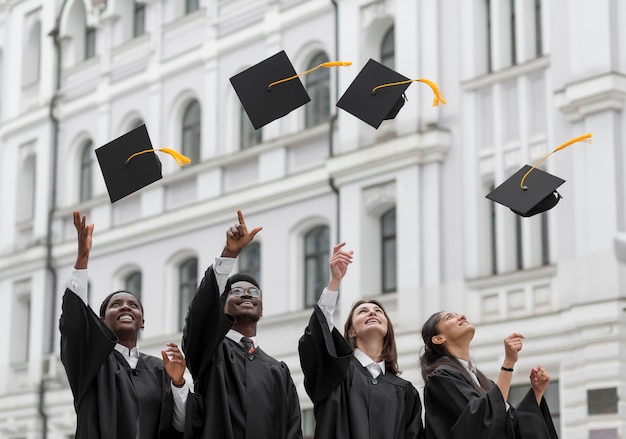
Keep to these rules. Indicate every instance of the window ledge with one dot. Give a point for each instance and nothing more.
(515, 277)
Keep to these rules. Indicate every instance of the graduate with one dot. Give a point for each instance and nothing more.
(246, 394)
(119, 393)
(461, 402)
(353, 379)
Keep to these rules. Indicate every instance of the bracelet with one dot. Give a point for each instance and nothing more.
(177, 385)
(506, 369)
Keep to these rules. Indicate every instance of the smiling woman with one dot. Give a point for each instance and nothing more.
(119, 393)
(351, 376)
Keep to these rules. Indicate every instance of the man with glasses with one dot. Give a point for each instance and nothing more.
(245, 393)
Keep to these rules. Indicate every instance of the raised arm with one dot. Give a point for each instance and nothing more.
(85, 233)
(512, 346)
(237, 237)
(338, 263)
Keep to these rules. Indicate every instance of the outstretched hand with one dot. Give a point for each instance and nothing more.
(238, 236)
(338, 264)
(174, 363)
(85, 233)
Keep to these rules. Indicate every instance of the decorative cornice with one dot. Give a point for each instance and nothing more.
(601, 93)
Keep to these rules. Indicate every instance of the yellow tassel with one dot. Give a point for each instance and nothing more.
(180, 159)
(326, 64)
(585, 138)
(438, 99)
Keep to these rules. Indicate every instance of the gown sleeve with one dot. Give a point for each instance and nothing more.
(206, 325)
(534, 421)
(414, 427)
(455, 410)
(325, 357)
(294, 423)
(86, 343)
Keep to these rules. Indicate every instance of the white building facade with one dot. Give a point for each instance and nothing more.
(520, 77)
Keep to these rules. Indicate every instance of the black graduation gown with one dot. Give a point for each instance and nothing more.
(348, 402)
(454, 409)
(109, 397)
(241, 398)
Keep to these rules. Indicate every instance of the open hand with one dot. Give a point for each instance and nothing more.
(238, 236)
(85, 233)
(174, 363)
(338, 264)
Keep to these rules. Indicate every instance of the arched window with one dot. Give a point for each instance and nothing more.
(86, 172)
(248, 136)
(133, 283)
(249, 260)
(191, 131)
(316, 254)
(139, 19)
(388, 49)
(318, 87)
(187, 283)
(389, 254)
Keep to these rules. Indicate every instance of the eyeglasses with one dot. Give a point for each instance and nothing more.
(240, 291)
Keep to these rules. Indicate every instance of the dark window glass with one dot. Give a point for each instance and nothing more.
(247, 134)
(316, 254)
(513, 37)
(90, 42)
(86, 171)
(389, 239)
(318, 87)
(538, 32)
(187, 283)
(249, 260)
(489, 42)
(139, 19)
(191, 6)
(602, 401)
(388, 49)
(192, 131)
(133, 284)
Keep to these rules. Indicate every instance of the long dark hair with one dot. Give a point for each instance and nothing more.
(435, 355)
(389, 353)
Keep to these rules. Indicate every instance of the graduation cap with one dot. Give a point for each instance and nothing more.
(271, 89)
(129, 163)
(530, 190)
(377, 93)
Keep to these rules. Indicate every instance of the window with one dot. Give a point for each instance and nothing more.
(192, 131)
(388, 49)
(191, 6)
(512, 32)
(187, 283)
(86, 170)
(26, 187)
(308, 424)
(545, 240)
(20, 322)
(538, 32)
(133, 283)
(388, 245)
(250, 260)
(32, 56)
(551, 395)
(139, 19)
(519, 251)
(318, 87)
(488, 29)
(247, 134)
(316, 254)
(602, 401)
(90, 42)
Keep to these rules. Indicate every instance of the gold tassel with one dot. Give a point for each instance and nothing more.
(325, 64)
(438, 99)
(586, 138)
(180, 159)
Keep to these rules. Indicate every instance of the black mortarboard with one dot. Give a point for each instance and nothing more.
(263, 103)
(540, 193)
(382, 104)
(123, 176)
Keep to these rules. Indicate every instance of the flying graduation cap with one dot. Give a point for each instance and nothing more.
(129, 163)
(530, 190)
(271, 89)
(377, 93)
